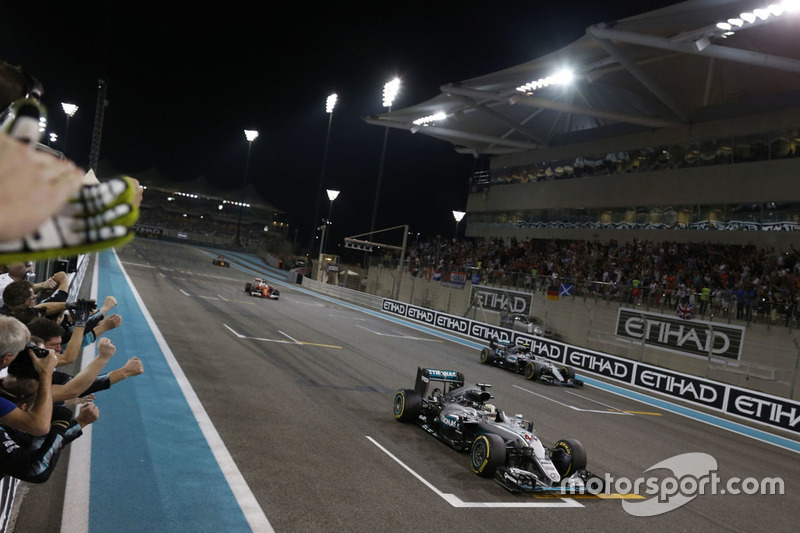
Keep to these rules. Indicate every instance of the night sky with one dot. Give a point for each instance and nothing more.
(184, 82)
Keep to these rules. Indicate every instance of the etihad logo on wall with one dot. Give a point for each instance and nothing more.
(498, 300)
(695, 337)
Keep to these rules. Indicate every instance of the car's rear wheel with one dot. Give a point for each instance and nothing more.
(533, 371)
(407, 405)
(569, 456)
(488, 452)
(248, 287)
(487, 356)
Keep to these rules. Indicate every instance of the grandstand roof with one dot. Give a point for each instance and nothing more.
(154, 179)
(669, 67)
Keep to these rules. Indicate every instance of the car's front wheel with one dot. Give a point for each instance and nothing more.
(407, 405)
(487, 356)
(568, 456)
(488, 452)
(248, 287)
(533, 371)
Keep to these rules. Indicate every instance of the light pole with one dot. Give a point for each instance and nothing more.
(330, 103)
(458, 215)
(251, 136)
(390, 90)
(332, 194)
(69, 110)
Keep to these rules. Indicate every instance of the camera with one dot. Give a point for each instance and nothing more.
(38, 352)
(22, 366)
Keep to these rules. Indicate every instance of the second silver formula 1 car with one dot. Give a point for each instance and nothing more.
(502, 447)
(519, 358)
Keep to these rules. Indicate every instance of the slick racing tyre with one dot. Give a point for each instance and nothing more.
(487, 453)
(568, 456)
(533, 371)
(487, 356)
(247, 287)
(407, 405)
(568, 373)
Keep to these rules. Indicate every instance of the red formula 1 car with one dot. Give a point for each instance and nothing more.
(260, 287)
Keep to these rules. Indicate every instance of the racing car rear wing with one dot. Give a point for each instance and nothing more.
(449, 378)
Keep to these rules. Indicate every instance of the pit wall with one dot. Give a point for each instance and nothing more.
(767, 360)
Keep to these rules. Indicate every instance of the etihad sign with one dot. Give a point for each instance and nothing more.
(693, 337)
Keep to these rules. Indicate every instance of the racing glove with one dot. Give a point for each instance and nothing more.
(81, 312)
(99, 216)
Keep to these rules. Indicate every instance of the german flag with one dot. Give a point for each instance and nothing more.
(552, 293)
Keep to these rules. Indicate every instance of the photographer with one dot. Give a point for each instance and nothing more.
(14, 337)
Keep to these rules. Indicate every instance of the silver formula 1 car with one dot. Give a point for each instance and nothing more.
(519, 358)
(502, 447)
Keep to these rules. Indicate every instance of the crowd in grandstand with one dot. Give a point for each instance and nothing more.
(767, 146)
(724, 281)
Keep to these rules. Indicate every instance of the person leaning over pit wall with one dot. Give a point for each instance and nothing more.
(16, 272)
(33, 458)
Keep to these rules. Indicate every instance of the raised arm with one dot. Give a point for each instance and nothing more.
(86, 377)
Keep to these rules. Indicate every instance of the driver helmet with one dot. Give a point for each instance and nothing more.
(490, 412)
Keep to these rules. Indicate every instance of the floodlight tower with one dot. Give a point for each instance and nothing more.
(330, 103)
(332, 195)
(250, 135)
(390, 90)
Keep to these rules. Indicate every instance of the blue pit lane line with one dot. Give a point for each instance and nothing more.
(252, 265)
(157, 463)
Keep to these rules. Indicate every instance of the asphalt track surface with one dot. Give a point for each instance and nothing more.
(296, 395)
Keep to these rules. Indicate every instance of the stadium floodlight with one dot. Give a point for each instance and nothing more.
(562, 77)
(390, 90)
(330, 103)
(69, 110)
(458, 215)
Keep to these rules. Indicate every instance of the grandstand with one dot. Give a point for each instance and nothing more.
(681, 124)
(197, 212)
